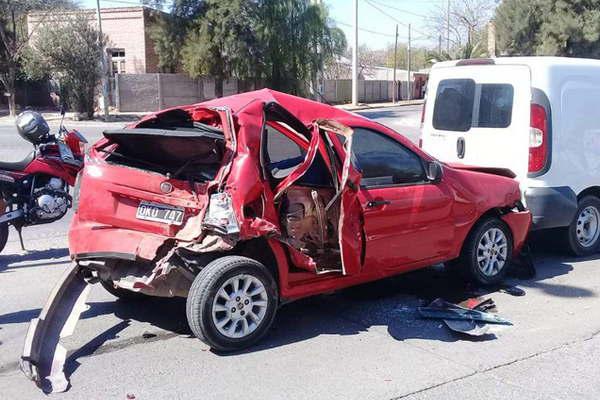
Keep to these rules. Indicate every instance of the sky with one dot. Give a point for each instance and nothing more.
(377, 19)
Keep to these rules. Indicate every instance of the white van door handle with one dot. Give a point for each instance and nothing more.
(460, 147)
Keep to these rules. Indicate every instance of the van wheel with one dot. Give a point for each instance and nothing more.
(584, 231)
(3, 236)
(121, 293)
(486, 252)
(232, 303)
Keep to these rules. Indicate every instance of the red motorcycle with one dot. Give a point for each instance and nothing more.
(35, 190)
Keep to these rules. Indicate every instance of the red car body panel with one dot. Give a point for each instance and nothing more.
(421, 225)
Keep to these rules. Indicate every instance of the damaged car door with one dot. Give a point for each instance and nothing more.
(316, 190)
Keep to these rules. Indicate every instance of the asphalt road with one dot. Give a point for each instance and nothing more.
(363, 343)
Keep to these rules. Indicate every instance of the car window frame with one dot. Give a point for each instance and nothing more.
(392, 185)
(476, 105)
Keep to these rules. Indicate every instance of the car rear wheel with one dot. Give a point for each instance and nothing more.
(584, 232)
(487, 252)
(232, 303)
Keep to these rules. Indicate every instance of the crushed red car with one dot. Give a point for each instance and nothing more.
(247, 202)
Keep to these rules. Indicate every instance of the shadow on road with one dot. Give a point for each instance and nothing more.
(44, 257)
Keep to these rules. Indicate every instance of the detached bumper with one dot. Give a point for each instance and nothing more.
(43, 358)
(551, 207)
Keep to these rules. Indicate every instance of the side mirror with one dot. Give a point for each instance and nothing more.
(63, 110)
(434, 171)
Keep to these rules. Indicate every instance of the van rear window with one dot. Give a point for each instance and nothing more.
(461, 104)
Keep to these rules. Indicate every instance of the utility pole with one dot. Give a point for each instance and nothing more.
(394, 84)
(355, 57)
(409, 65)
(104, 69)
(439, 44)
(448, 28)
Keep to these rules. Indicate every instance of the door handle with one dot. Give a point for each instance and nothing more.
(460, 147)
(378, 203)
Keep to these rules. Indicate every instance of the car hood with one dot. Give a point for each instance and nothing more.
(488, 170)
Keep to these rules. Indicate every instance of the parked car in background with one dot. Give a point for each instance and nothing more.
(247, 202)
(536, 116)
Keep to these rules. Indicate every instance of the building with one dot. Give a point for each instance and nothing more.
(130, 49)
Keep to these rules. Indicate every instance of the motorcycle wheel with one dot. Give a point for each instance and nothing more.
(3, 236)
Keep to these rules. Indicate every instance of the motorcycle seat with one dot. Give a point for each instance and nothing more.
(18, 165)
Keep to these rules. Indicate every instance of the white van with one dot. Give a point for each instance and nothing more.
(537, 116)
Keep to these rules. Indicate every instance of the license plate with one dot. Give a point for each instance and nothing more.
(159, 213)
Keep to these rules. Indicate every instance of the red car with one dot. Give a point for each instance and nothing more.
(247, 202)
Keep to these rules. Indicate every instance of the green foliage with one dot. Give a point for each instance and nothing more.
(298, 42)
(549, 27)
(167, 33)
(68, 50)
(469, 50)
(222, 43)
(14, 37)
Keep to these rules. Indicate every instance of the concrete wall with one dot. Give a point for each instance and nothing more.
(152, 92)
(340, 91)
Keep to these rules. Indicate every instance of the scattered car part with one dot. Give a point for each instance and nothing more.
(43, 358)
(441, 309)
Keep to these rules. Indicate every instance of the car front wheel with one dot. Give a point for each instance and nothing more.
(232, 303)
(487, 252)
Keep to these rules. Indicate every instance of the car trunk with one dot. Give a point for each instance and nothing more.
(153, 180)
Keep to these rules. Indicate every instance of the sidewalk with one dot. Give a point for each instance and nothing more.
(127, 117)
(365, 106)
(54, 116)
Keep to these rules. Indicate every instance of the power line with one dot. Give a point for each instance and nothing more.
(399, 9)
(365, 29)
(394, 18)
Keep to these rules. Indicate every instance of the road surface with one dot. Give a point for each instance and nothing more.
(363, 343)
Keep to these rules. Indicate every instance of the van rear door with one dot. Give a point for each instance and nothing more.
(479, 115)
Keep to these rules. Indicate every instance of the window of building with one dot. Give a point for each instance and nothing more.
(117, 61)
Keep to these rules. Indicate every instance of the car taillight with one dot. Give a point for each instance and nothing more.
(538, 138)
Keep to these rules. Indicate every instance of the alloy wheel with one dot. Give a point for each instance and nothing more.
(240, 306)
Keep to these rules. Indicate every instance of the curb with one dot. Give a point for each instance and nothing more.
(384, 105)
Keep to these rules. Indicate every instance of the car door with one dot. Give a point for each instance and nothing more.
(407, 219)
(349, 227)
(479, 115)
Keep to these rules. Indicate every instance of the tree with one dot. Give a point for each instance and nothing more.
(69, 49)
(298, 40)
(222, 43)
(467, 18)
(547, 27)
(168, 31)
(14, 37)
(469, 50)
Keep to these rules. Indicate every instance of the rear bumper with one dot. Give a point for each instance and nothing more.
(551, 207)
(89, 240)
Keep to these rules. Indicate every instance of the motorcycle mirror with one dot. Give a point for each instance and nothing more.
(63, 110)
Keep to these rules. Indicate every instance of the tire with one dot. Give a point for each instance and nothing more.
(487, 252)
(122, 294)
(217, 317)
(3, 236)
(583, 235)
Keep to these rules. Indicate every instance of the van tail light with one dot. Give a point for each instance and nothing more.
(538, 139)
